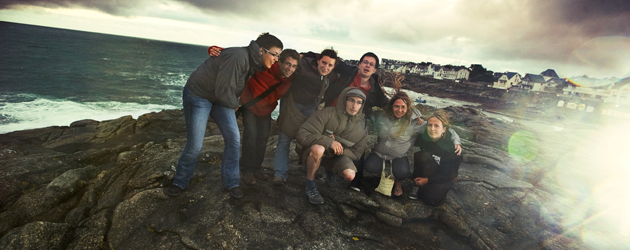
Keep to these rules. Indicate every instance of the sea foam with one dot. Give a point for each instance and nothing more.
(43, 112)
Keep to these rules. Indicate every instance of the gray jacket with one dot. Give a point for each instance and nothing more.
(389, 147)
(221, 79)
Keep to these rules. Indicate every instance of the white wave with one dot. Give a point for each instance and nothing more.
(44, 112)
(433, 101)
(171, 79)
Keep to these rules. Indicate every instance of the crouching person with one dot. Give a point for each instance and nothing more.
(437, 165)
(335, 136)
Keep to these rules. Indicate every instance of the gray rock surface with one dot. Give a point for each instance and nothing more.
(101, 185)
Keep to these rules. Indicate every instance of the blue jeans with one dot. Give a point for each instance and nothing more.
(281, 161)
(196, 112)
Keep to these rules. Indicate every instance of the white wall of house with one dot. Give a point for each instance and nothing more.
(463, 74)
(620, 95)
(501, 83)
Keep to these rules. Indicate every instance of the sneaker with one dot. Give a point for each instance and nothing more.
(174, 191)
(313, 196)
(277, 181)
(261, 175)
(358, 187)
(236, 192)
(248, 178)
(414, 193)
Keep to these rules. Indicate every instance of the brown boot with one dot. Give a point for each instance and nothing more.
(261, 175)
(248, 178)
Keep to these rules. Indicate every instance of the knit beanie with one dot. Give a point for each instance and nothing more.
(357, 93)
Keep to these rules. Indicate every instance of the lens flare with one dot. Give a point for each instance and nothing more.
(523, 144)
(593, 180)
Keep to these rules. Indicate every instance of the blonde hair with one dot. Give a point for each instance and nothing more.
(442, 116)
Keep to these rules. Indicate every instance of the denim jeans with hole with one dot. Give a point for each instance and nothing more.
(196, 112)
(281, 161)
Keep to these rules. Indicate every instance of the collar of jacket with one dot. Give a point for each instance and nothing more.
(254, 57)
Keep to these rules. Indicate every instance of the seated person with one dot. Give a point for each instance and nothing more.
(436, 165)
(334, 137)
(397, 128)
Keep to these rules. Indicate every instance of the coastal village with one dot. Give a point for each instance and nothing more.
(609, 97)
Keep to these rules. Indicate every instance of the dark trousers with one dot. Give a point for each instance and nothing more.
(400, 166)
(374, 164)
(425, 166)
(256, 131)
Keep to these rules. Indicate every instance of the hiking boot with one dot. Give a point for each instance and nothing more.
(278, 181)
(174, 191)
(414, 193)
(236, 192)
(261, 175)
(248, 178)
(313, 196)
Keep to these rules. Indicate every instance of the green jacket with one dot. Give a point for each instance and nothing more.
(348, 130)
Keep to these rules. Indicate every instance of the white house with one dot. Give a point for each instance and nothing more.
(619, 93)
(532, 82)
(506, 80)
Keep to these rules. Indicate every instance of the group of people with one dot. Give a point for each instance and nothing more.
(252, 79)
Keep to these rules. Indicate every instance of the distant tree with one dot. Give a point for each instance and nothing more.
(479, 74)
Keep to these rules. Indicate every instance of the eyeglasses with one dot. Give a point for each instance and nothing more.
(368, 63)
(360, 102)
(276, 55)
(288, 64)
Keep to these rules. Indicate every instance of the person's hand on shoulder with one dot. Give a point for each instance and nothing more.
(458, 149)
(214, 51)
(419, 121)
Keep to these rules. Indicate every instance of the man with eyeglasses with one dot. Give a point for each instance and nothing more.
(213, 89)
(363, 77)
(334, 137)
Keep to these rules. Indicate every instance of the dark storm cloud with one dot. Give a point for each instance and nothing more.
(114, 7)
(548, 30)
(253, 9)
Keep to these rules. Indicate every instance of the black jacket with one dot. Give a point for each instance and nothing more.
(345, 77)
(445, 149)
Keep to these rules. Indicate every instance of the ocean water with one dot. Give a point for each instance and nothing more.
(52, 76)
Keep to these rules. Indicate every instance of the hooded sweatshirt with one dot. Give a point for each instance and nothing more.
(349, 130)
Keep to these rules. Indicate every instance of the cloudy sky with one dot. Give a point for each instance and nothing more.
(574, 37)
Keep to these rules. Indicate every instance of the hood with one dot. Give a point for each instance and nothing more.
(341, 104)
(254, 57)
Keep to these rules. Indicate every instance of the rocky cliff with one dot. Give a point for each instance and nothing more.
(101, 185)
